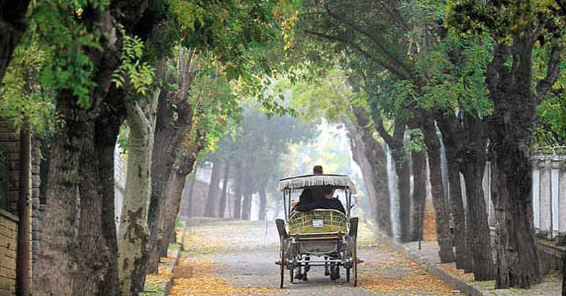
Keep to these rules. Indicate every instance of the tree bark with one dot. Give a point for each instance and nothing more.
(106, 134)
(212, 202)
(419, 193)
(453, 141)
(510, 134)
(433, 151)
(59, 237)
(373, 161)
(262, 202)
(473, 169)
(399, 154)
(174, 121)
(133, 234)
(12, 27)
(224, 195)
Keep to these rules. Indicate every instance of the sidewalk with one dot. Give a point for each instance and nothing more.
(429, 259)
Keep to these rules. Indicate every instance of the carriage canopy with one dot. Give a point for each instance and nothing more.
(300, 182)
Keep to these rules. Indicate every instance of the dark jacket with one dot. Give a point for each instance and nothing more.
(321, 203)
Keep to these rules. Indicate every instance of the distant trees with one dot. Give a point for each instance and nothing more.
(254, 151)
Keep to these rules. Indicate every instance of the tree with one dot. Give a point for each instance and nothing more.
(516, 30)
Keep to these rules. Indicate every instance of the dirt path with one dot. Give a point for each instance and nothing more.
(237, 258)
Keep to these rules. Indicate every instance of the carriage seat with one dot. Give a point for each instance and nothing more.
(318, 222)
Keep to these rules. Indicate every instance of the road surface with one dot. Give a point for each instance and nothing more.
(238, 258)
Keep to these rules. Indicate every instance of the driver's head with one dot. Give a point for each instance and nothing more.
(317, 170)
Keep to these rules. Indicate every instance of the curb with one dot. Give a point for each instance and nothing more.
(456, 283)
(169, 284)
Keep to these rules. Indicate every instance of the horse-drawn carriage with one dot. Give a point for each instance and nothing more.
(319, 237)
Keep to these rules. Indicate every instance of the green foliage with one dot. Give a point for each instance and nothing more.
(325, 97)
(23, 98)
(62, 32)
(132, 70)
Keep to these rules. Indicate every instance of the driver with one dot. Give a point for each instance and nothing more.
(327, 201)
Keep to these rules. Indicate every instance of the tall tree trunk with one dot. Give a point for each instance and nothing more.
(106, 135)
(453, 140)
(247, 201)
(399, 154)
(213, 190)
(133, 234)
(12, 28)
(473, 168)
(238, 192)
(262, 202)
(419, 193)
(510, 134)
(404, 188)
(57, 256)
(190, 195)
(173, 206)
(170, 136)
(373, 161)
(433, 151)
(224, 195)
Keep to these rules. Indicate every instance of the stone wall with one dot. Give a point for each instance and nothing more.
(8, 245)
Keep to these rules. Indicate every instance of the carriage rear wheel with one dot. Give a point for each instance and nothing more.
(354, 265)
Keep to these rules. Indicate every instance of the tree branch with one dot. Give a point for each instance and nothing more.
(496, 68)
(363, 52)
(375, 40)
(552, 71)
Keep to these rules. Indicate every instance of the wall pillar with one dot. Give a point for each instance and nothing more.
(561, 238)
(545, 198)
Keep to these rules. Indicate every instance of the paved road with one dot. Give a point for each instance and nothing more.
(237, 258)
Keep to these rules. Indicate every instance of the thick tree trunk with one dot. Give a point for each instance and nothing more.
(224, 195)
(133, 234)
(95, 257)
(433, 151)
(12, 28)
(452, 138)
(57, 256)
(373, 161)
(419, 193)
(510, 133)
(173, 207)
(170, 138)
(212, 202)
(473, 168)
